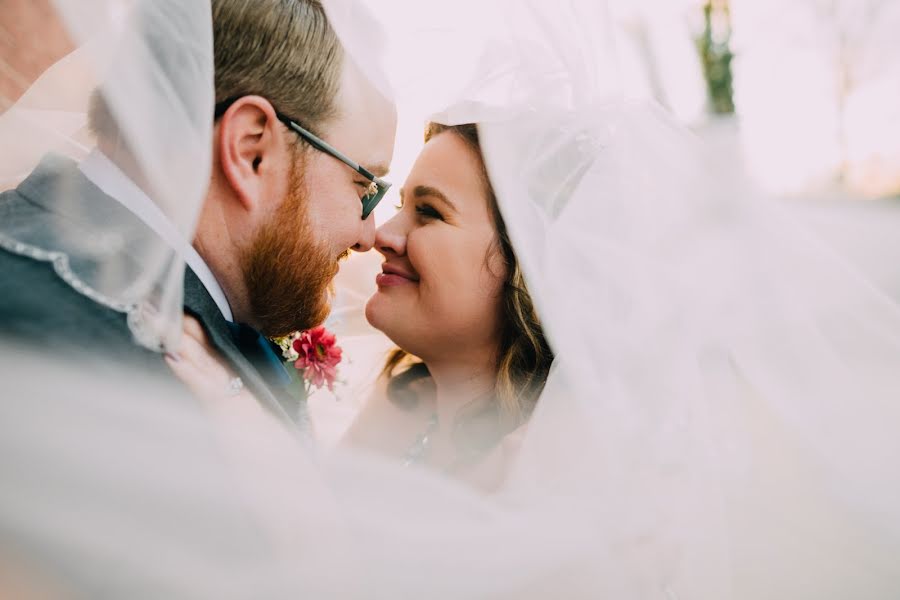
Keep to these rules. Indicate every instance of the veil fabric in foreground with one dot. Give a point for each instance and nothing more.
(724, 403)
(153, 64)
(720, 423)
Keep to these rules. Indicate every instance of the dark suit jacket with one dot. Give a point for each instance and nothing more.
(39, 307)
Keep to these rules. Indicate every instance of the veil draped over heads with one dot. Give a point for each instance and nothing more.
(719, 423)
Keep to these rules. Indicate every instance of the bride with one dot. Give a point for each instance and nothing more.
(719, 422)
(452, 294)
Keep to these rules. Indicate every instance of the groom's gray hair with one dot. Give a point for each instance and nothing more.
(283, 50)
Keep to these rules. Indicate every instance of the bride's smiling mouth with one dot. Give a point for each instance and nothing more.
(394, 275)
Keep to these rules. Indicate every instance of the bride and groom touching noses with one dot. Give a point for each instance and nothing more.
(287, 203)
(471, 358)
(277, 215)
(284, 208)
(300, 142)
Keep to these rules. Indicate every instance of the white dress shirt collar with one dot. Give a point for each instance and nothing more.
(103, 173)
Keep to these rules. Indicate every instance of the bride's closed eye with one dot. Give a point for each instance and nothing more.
(426, 211)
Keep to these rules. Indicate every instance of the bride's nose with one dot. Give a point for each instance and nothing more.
(390, 238)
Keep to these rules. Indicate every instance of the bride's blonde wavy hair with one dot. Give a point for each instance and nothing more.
(524, 356)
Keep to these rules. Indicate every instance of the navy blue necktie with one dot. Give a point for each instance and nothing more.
(261, 354)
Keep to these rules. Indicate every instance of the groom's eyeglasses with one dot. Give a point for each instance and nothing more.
(378, 187)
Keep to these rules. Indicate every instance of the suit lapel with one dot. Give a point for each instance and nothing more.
(62, 197)
(200, 304)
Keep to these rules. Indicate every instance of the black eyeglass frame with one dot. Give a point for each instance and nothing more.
(370, 200)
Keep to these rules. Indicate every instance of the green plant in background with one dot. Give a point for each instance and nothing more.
(715, 55)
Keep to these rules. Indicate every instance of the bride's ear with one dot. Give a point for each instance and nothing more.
(248, 144)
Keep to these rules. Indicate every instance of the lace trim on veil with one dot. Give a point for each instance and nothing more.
(137, 323)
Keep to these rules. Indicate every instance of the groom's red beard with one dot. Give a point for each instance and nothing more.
(288, 270)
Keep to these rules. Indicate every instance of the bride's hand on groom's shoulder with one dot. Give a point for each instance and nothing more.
(235, 411)
(200, 369)
(255, 446)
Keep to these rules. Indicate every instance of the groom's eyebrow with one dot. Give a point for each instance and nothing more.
(422, 191)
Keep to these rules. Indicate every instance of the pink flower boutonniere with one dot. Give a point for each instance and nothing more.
(318, 356)
(314, 354)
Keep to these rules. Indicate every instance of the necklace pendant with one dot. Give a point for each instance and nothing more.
(418, 450)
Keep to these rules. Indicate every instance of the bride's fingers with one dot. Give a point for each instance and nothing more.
(197, 349)
(207, 379)
(192, 328)
(182, 369)
(193, 352)
(191, 331)
(188, 363)
(196, 364)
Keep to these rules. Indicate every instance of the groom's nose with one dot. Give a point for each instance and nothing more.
(367, 235)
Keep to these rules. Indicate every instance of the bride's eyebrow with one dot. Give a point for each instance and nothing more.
(425, 191)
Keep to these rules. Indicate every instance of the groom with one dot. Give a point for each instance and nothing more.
(277, 217)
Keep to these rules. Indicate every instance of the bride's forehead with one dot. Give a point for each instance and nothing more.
(447, 164)
(450, 151)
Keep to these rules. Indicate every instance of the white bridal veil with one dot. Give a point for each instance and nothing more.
(153, 63)
(721, 423)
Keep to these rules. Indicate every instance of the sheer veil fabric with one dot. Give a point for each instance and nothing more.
(724, 395)
(720, 422)
(153, 63)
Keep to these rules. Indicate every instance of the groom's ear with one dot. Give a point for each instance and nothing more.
(249, 143)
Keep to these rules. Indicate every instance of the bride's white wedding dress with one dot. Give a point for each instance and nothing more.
(721, 422)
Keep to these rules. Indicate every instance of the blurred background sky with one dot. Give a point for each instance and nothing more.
(811, 88)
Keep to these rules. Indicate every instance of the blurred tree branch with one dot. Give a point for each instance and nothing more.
(716, 56)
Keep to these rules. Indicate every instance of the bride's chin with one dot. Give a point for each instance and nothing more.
(375, 310)
(381, 313)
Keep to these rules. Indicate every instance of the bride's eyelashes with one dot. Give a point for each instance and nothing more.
(423, 210)
(426, 211)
